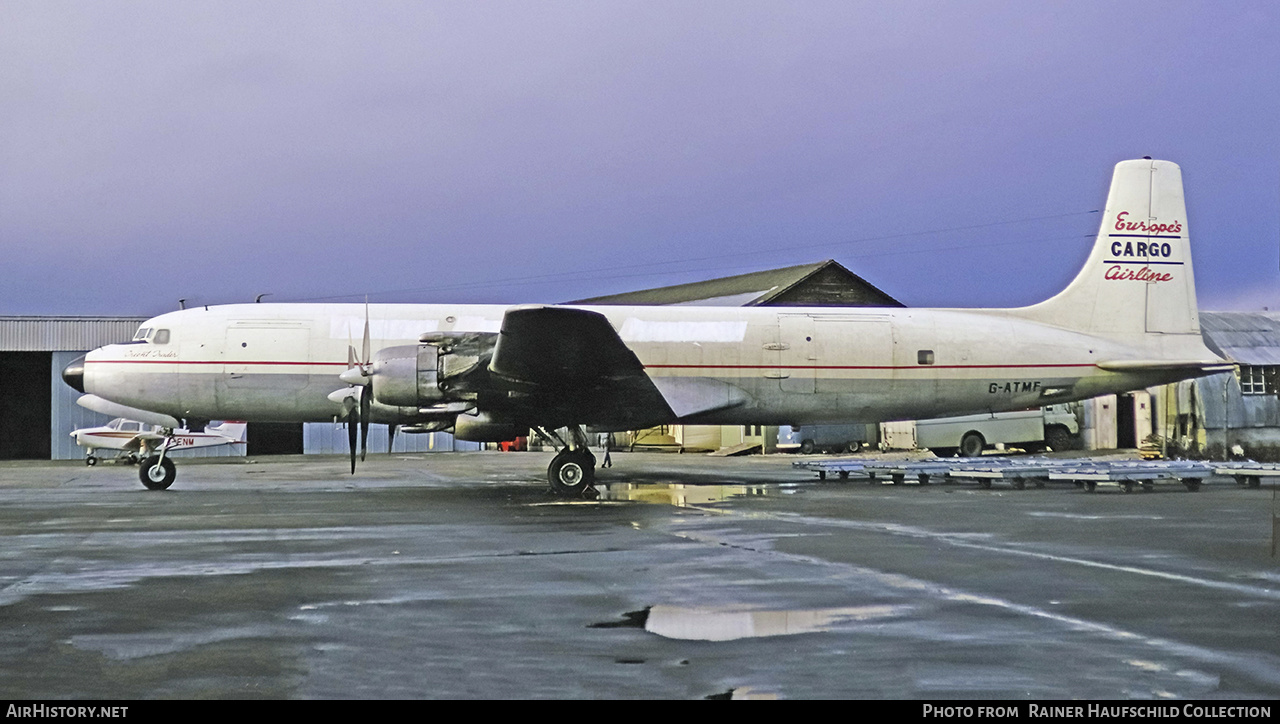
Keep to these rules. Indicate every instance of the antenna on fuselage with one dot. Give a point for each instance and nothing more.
(182, 304)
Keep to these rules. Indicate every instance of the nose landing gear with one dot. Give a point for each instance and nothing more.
(158, 472)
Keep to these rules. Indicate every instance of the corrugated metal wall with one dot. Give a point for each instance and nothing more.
(327, 438)
(64, 334)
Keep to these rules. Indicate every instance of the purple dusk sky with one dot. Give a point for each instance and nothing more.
(948, 152)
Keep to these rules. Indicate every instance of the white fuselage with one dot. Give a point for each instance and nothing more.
(793, 365)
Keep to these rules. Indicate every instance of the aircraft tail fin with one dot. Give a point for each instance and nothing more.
(232, 429)
(1137, 285)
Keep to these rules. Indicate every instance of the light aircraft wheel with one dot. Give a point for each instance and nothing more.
(571, 472)
(91, 461)
(133, 458)
(971, 445)
(157, 474)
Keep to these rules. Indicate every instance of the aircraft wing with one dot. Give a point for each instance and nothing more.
(566, 365)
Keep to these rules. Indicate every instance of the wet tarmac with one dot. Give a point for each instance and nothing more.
(458, 575)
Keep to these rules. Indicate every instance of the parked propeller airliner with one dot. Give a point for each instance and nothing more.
(489, 373)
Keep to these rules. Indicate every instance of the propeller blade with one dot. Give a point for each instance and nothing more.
(351, 437)
(366, 402)
(391, 437)
(365, 352)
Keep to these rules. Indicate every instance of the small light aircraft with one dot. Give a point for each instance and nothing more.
(137, 440)
(489, 373)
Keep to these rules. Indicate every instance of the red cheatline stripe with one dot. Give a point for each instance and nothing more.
(865, 367)
(245, 363)
(206, 362)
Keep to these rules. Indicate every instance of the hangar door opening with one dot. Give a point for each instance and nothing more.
(274, 438)
(26, 405)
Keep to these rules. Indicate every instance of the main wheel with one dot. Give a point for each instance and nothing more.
(571, 471)
(971, 445)
(157, 474)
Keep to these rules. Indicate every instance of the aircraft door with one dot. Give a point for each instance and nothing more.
(265, 367)
(799, 353)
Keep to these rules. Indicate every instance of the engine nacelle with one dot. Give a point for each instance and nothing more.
(483, 428)
(406, 376)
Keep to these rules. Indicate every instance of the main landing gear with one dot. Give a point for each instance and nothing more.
(572, 472)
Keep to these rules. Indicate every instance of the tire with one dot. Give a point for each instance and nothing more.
(91, 461)
(1058, 438)
(157, 474)
(971, 445)
(571, 472)
(853, 446)
(807, 447)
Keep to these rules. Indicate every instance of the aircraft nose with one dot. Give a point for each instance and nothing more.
(73, 374)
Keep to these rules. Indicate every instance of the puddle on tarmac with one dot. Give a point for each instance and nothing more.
(743, 693)
(679, 494)
(727, 624)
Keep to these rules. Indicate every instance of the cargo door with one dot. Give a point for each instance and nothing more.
(265, 366)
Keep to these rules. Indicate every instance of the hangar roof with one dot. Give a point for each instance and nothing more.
(1251, 338)
(64, 334)
(821, 284)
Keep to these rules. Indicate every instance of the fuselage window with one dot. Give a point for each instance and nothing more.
(924, 357)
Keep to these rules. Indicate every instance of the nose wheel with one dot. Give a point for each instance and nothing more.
(157, 473)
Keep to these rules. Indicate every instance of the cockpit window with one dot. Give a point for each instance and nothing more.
(152, 335)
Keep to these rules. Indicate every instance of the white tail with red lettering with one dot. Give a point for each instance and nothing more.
(1137, 285)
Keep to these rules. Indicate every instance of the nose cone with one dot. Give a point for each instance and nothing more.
(73, 375)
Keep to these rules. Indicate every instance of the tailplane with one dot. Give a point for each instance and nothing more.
(1137, 285)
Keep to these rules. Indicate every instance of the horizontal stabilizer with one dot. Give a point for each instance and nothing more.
(1157, 365)
(113, 409)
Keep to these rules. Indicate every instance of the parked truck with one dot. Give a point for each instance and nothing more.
(1053, 426)
(808, 439)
